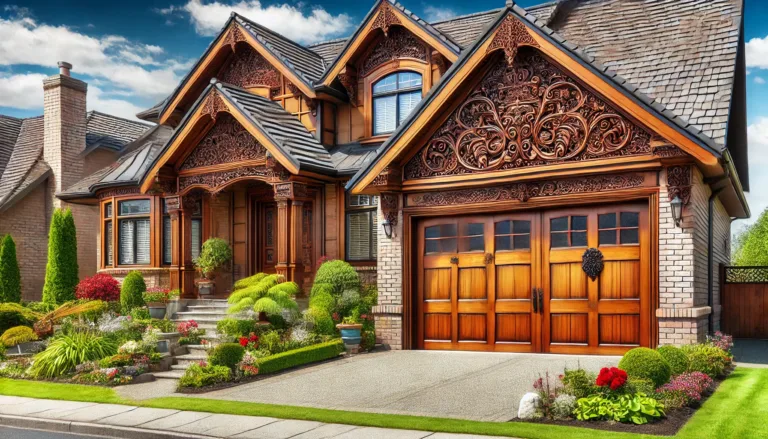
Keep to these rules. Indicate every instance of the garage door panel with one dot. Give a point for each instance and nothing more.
(568, 328)
(472, 283)
(437, 326)
(437, 284)
(513, 282)
(619, 329)
(620, 280)
(568, 281)
(513, 328)
(472, 327)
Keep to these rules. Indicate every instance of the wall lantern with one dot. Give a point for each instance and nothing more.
(677, 210)
(387, 228)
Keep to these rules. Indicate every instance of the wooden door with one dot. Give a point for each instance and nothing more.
(267, 237)
(606, 315)
(474, 287)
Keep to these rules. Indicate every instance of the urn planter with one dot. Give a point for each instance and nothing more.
(156, 310)
(205, 287)
(351, 335)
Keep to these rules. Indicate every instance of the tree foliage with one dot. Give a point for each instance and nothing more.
(61, 271)
(751, 244)
(10, 276)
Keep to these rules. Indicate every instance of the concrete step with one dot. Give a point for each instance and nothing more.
(169, 375)
(179, 367)
(221, 307)
(190, 359)
(206, 323)
(198, 349)
(200, 315)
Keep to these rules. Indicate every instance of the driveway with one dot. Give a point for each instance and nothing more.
(467, 385)
(750, 352)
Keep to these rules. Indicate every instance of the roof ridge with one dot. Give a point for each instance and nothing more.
(277, 34)
(335, 40)
(137, 122)
(470, 15)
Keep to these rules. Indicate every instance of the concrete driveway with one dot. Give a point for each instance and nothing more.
(467, 385)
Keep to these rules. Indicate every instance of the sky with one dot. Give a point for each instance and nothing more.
(133, 53)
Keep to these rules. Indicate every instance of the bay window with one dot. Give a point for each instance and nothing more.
(361, 227)
(394, 97)
(133, 232)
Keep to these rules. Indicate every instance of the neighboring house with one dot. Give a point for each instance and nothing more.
(557, 179)
(39, 156)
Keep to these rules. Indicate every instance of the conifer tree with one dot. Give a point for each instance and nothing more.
(10, 276)
(61, 271)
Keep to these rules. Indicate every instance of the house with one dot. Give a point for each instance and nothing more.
(39, 157)
(556, 179)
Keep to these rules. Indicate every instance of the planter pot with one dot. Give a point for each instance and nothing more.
(156, 310)
(172, 307)
(351, 336)
(205, 287)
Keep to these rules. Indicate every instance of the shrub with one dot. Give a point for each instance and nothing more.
(646, 363)
(214, 254)
(707, 359)
(686, 389)
(131, 292)
(322, 301)
(235, 328)
(243, 305)
(678, 361)
(226, 354)
(13, 314)
(637, 408)
(68, 350)
(612, 378)
(61, 271)
(199, 376)
(297, 357)
(639, 385)
(40, 307)
(249, 281)
(321, 320)
(721, 340)
(579, 383)
(563, 406)
(98, 287)
(340, 276)
(17, 335)
(10, 276)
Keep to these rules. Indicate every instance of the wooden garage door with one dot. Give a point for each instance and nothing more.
(515, 283)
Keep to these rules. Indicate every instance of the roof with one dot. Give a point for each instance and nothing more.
(128, 169)
(25, 154)
(112, 132)
(281, 127)
(350, 157)
(654, 105)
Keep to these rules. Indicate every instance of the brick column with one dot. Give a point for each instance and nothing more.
(389, 313)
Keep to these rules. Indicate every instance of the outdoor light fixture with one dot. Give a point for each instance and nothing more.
(387, 228)
(677, 210)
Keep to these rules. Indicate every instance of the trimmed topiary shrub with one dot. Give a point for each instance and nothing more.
(322, 301)
(297, 357)
(338, 275)
(61, 271)
(646, 363)
(678, 361)
(131, 292)
(98, 287)
(17, 335)
(249, 281)
(226, 354)
(10, 276)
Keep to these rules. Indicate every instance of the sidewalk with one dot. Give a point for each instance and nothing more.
(123, 421)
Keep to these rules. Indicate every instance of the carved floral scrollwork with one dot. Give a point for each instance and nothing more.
(526, 113)
(216, 181)
(679, 183)
(214, 105)
(385, 18)
(399, 43)
(390, 206)
(249, 69)
(226, 142)
(511, 34)
(234, 36)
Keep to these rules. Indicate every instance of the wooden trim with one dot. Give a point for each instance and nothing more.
(222, 167)
(451, 88)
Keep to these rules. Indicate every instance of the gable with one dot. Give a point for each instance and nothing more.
(226, 142)
(248, 69)
(526, 113)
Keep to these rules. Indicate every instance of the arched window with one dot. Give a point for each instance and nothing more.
(394, 96)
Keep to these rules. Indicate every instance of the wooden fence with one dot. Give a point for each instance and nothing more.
(744, 298)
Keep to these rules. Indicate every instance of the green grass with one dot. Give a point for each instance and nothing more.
(737, 410)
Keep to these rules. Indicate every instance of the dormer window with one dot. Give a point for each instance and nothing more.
(394, 97)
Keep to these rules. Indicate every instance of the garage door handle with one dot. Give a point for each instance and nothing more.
(535, 301)
(541, 300)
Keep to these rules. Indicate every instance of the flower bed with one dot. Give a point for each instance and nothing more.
(651, 392)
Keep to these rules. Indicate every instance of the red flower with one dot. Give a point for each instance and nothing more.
(613, 378)
(243, 341)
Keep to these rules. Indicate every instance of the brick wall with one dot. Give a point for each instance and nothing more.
(389, 272)
(683, 311)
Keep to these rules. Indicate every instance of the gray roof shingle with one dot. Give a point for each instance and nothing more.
(105, 130)
(26, 152)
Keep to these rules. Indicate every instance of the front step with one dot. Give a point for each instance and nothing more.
(169, 375)
(189, 359)
(200, 315)
(206, 323)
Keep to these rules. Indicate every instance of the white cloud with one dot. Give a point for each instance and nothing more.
(434, 13)
(138, 68)
(100, 101)
(294, 22)
(757, 134)
(759, 80)
(757, 53)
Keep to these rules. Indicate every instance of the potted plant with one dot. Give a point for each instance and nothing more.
(215, 254)
(156, 300)
(351, 333)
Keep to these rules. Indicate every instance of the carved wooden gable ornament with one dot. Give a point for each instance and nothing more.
(226, 142)
(525, 111)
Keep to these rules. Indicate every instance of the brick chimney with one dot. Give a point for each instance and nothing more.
(64, 120)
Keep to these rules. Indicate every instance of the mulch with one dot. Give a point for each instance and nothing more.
(667, 426)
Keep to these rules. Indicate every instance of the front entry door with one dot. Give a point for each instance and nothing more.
(515, 282)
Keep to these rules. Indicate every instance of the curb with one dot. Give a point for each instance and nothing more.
(87, 428)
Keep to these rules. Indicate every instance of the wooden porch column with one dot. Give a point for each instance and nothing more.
(283, 227)
(186, 266)
(173, 205)
(296, 265)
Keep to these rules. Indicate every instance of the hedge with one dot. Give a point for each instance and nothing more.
(298, 357)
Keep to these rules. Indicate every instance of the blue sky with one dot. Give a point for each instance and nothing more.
(133, 53)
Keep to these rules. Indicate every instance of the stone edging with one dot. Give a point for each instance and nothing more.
(683, 313)
(92, 429)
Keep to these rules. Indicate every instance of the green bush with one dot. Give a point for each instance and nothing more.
(707, 359)
(243, 305)
(226, 354)
(639, 385)
(236, 327)
(646, 363)
(68, 350)
(322, 321)
(17, 335)
(637, 409)
(338, 275)
(131, 292)
(678, 361)
(10, 276)
(298, 357)
(13, 314)
(579, 383)
(322, 301)
(61, 271)
(249, 281)
(40, 307)
(214, 254)
(197, 376)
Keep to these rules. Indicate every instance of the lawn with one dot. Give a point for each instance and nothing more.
(737, 410)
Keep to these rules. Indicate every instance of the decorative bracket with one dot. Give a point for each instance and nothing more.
(679, 183)
(348, 79)
(290, 190)
(592, 262)
(234, 36)
(389, 177)
(385, 18)
(511, 34)
(390, 206)
(214, 105)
